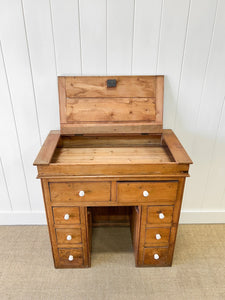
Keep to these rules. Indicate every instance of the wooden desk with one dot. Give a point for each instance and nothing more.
(112, 164)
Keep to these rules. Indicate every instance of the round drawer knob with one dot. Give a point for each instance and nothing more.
(161, 216)
(158, 236)
(156, 256)
(81, 193)
(145, 193)
(67, 216)
(69, 237)
(70, 258)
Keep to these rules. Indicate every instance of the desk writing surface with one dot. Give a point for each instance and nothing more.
(120, 155)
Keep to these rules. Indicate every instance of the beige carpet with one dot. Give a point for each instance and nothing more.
(27, 272)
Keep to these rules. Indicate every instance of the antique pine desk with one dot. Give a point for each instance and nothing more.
(112, 163)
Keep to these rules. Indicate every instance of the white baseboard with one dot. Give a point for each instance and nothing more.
(202, 217)
(23, 218)
(39, 218)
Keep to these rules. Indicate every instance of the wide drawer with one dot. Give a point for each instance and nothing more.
(156, 256)
(157, 236)
(79, 191)
(147, 192)
(160, 215)
(66, 215)
(71, 257)
(68, 236)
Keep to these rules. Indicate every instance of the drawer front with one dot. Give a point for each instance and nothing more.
(71, 257)
(147, 192)
(160, 215)
(156, 256)
(157, 236)
(79, 191)
(66, 215)
(68, 236)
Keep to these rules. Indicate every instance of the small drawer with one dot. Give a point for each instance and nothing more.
(160, 215)
(68, 236)
(156, 256)
(147, 192)
(157, 236)
(71, 257)
(79, 191)
(66, 215)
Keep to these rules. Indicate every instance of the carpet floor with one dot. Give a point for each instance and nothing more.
(27, 271)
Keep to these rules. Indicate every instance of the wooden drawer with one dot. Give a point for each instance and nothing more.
(79, 191)
(66, 215)
(147, 192)
(156, 256)
(157, 236)
(160, 215)
(68, 236)
(71, 257)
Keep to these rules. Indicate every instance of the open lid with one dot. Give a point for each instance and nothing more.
(111, 104)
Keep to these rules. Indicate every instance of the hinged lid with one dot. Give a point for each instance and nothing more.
(111, 104)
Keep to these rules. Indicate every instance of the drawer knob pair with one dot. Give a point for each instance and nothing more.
(156, 256)
(66, 217)
(81, 193)
(145, 193)
(69, 237)
(161, 216)
(158, 236)
(70, 258)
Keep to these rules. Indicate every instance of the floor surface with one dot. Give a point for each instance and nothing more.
(27, 271)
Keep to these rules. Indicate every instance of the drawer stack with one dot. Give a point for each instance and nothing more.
(69, 234)
(153, 221)
(157, 231)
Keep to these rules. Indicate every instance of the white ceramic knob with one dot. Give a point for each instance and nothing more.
(69, 237)
(67, 216)
(158, 236)
(81, 193)
(145, 193)
(156, 256)
(70, 258)
(161, 216)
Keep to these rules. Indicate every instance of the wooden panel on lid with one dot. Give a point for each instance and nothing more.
(89, 106)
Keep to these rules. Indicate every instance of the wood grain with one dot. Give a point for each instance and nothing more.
(69, 191)
(159, 192)
(175, 147)
(134, 105)
(60, 212)
(120, 155)
(61, 235)
(96, 86)
(110, 109)
(47, 150)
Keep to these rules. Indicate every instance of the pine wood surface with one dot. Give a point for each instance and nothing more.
(114, 155)
(134, 105)
(110, 150)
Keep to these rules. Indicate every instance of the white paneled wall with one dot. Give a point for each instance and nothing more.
(183, 40)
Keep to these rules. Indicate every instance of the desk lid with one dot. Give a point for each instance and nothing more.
(111, 104)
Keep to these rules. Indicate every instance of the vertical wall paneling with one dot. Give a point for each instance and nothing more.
(196, 56)
(172, 41)
(65, 18)
(183, 40)
(11, 163)
(120, 17)
(93, 36)
(41, 49)
(209, 114)
(214, 198)
(16, 57)
(146, 36)
(5, 204)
